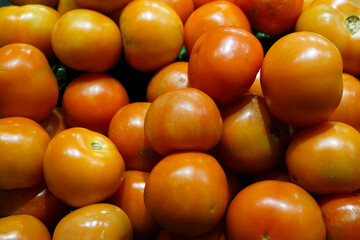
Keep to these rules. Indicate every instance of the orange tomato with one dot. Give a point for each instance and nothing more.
(55, 122)
(105, 6)
(22, 147)
(28, 87)
(256, 86)
(101, 221)
(274, 210)
(182, 7)
(50, 3)
(187, 193)
(199, 3)
(82, 167)
(183, 119)
(152, 34)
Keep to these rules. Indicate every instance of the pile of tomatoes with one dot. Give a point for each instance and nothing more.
(180, 119)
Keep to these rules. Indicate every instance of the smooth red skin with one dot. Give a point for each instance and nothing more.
(221, 71)
(341, 214)
(92, 99)
(130, 198)
(274, 210)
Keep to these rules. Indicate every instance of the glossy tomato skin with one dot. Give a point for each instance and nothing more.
(32, 24)
(301, 78)
(330, 152)
(99, 221)
(94, 168)
(22, 147)
(55, 122)
(92, 99)
(339, 21)
(183, 8)
(187, 193)
(183, 119)
(274, 210)
(86, 40)
(28, 87)
(223, 72)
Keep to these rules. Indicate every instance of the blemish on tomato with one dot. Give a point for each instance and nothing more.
(96, 146)
(265, 236)
(147, 196)
(352, 24)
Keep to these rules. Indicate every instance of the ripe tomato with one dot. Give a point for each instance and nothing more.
(28, 87)
(92, 99)
(152, 34)
(272, 17)
(183, 119)
(127, 132)
(182, 7)
(224, 63)
(82, 167)
(23, 227)
(301, 78)
(66, 5)
(323, 158)
(187, 193)
(55, 122)
(256, 86)
(32, 24)
(99, 221)
(130, 198)
(274, 210)
(104, 6)
(170, 77)
(22, 147)
(86, 40)
(341, 215)
(339, 21)
(199, 3)
(50, 3)
(211, 15)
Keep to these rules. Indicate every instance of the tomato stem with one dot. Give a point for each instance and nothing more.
(96, 146)
(352, 24)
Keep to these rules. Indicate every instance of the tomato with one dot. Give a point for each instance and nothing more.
(341, 215)
(55, 122)
(99, 221)
(338, 21)
(28, 87)
(23, 227)
(170, 77)
(224, 63)
(32, 24)
(256, 86)
(104, 6)
(36, 201)
(301, 78)
(66, 5)
(183, 119)
(127, 132)
(87, 40)
(50, 3)
(182, 7)
(92, 99)
(272, 17)
(22, 147)
(211, 15)
(330, 152)
(152, 34)
(187, 193)
(130, 198)
(199, 3)
(274, 210)
(348, 110)
(82, 167)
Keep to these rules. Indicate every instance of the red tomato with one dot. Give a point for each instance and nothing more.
(274, 210)
(86, 40)
(301, 78)
(224, 63)
(22, 147)
(28, 87)
(92, 99)
(323, 158)
(55, 122)
(100, 221)
(82, 167)
(187, 193)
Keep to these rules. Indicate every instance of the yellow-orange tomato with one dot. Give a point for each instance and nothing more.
(82, 167)
(28, 87)
(183, 119)
(66, 5)
(55, 122)
(182, 7)
(187, 193)
(170, 77)
(32, 24)
(210, 15)
(100, 221)
(152, 34)
(130, 198)
(324, 158)
(22, 147)
(87, 40)
(50, 3)
(23, 226)
(126, 130)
